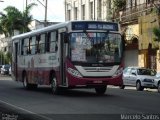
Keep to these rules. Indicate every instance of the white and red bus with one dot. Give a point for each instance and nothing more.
(75, 54)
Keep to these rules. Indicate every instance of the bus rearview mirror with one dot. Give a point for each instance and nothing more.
(66, 38)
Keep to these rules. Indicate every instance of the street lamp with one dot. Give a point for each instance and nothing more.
(45, 6)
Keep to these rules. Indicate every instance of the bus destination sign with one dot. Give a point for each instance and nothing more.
(95, 26)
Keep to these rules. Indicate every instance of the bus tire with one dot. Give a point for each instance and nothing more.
(54, 86)
(26, 85)
(100, 90)
(25, 81)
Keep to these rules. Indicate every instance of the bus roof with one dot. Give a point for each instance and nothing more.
(77, 25)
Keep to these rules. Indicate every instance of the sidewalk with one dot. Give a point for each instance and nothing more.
(5, 77)
(134, 88)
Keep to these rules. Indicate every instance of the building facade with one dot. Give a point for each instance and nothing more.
(88, 10)
(137, 20)
(140, 17)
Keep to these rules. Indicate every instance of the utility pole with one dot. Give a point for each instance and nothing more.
(94, 9)
(45, 20)
(45, 6)
(26, 4)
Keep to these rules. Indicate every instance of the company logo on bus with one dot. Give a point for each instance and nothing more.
(74, 72)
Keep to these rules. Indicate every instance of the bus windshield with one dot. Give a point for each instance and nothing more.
(94, 47)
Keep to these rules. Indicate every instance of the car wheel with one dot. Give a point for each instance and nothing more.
(122, 87)
(158, 88)
(100, 90)
(138, 86)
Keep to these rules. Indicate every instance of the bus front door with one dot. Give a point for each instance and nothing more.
(15, 67)
(63, 54)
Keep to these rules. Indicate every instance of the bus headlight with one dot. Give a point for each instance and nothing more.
(74, 72)
(118, 72)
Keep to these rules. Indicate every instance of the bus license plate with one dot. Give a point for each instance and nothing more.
(97, 81)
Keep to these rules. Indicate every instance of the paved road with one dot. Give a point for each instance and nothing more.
(77, 104)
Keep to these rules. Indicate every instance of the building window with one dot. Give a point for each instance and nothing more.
(83, 12)
(149, 1)
(75, 13)
(69, 14)
(131, 3)
(109, 4)
(69, 11)
(91, 10)
(76, 10)
(99, 12)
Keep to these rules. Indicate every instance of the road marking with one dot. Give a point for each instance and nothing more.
(134, 88)
(30, 112)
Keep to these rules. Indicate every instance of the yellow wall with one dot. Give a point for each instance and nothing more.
(142, 58)
(146, 25)
(132, 30)
(158, 61)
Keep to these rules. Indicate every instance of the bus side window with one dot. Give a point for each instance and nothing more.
(53, 42)
(22, 47)
(48, 39)
(26, 46)
(29, 46)
(37, 44)
(42, 43)
(33, 45)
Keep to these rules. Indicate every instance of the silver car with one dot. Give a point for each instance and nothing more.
(139, 77)
(157, 81)
(10, 72)
(5, 69)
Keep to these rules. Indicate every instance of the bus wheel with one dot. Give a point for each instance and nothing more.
(54, 86)
(26, 85)
(101, 89)
(25, 82)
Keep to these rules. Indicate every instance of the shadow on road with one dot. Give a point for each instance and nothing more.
(67, 92)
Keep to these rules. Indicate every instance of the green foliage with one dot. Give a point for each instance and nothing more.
(13, 19)
(8, 57)
(156, 32)
(119, 5)
(5, 58)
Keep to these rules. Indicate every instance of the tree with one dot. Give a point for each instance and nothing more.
(156, 32)
(13, 19)
(27, 18)
(118, 5)
(8, 21)
(8, 57)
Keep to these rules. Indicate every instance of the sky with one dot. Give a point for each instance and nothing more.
(55, 11)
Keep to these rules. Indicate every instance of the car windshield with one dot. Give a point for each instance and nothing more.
(146, 72)
(6, 66)
(158, 74)
(96, 47)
